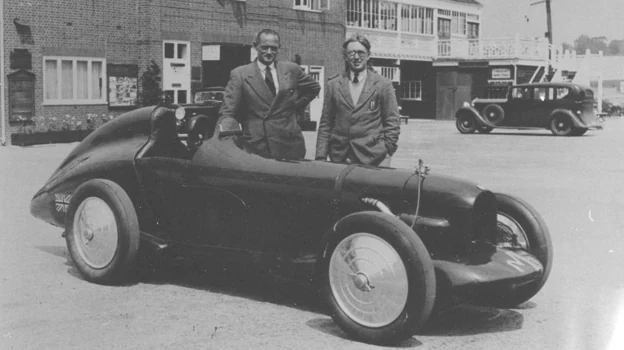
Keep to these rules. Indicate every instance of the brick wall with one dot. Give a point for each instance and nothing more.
(131, 32)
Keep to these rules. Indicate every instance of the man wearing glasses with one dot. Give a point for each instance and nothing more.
(360, 120)
(264, 97)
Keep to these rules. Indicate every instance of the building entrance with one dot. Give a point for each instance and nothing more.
(218, 60)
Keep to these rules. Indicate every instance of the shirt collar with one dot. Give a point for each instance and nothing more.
(262, 66)
(361, 75)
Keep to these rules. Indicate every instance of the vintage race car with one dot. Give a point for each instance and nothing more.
(384, 245)
(566, 109)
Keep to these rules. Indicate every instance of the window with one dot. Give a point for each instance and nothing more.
(562, 92)
(473, 30)
(412, 90)
(458, 23)
(172, 53)
(374, 14)
(541, 94)
(311, 5)
(392, 73)
(416, 19)
(74, 80)
(521, 93)
(444, 28)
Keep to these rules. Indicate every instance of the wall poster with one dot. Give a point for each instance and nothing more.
(123, 85)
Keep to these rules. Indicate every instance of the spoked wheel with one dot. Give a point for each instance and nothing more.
(521, 229)
(378, 278)
(102, 232)
(561, 125)
(466, 123)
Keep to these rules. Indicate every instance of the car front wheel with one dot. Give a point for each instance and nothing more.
(561, 125)
(102, 232)
(521, 229)
(378, 278)
(466, 123)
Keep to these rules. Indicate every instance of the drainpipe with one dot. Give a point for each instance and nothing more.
(2, 82)
(515, 73)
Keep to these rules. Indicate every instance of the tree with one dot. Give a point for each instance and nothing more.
(616, 47)
(594, 44)
(151, 93)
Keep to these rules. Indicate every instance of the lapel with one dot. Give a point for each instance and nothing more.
(283, 76)
(368, 89)
(344, 89)
(255, 80)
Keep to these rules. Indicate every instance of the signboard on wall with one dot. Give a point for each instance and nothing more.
(501, 73)
(122, 85)
(21, 97)
(211, 52)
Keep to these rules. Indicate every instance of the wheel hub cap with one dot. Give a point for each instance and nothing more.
(510, 233)
(95, 232)
(368, 280)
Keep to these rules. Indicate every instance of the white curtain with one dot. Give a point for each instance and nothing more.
(67, 80)
(51, 80)
(96, 80)
(82, 80)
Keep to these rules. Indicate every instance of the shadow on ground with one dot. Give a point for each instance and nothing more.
(251, 283)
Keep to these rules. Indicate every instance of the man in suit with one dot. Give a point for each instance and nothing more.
(264, 97)
(360, 120)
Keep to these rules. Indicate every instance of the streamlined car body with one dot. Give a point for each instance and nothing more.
(384, 245)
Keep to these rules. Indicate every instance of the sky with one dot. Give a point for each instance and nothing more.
(572, 18)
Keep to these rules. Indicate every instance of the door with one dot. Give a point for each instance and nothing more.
(163, 182)
(316, 105)
(517, 107)
(177, 71)
(218, 60)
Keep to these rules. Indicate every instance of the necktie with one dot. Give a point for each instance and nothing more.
(268, 78)
(355, 77)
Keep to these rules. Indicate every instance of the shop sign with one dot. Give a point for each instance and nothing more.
(501, 73)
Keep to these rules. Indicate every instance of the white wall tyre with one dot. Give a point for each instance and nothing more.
(378, 278)
(102, 232)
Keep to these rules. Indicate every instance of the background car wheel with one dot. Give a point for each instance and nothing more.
(494, 113)
(579, 131)
(561, 125)
(378, 278)
(484, 129)
(466, 123)
(102, 232)
(522, 228)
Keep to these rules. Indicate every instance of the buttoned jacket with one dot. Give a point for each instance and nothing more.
(269, 122)
(368, 128)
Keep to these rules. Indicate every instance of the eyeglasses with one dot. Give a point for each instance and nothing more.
(267, 47)
(352, 54)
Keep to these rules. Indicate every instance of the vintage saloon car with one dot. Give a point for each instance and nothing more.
(566, 109)
(384, 245)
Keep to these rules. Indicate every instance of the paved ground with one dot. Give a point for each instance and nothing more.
(576, 183)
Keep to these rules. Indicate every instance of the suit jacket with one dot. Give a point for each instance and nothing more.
(367, 128)
(269, 123)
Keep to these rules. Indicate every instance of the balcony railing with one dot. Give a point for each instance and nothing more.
(512, 48)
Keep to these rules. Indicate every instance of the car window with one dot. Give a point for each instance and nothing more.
(540, 93)
(208, 96)
(562, 92)
(589, 94)
(521, 93)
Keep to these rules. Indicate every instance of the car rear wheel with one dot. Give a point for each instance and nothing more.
(102, 232)
(378, 278)
(561, 125)
(521, 228)
(494, 113)
(466, 123)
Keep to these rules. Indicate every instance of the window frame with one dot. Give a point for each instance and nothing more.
(312, 5)
(102, 100)
(409, 86)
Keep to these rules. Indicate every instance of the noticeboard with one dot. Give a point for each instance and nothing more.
(122, 85)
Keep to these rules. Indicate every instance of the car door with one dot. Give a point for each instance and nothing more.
(163, 181)
(541, 105)
(516, 106)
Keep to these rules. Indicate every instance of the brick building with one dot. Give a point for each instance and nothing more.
(76, 60)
